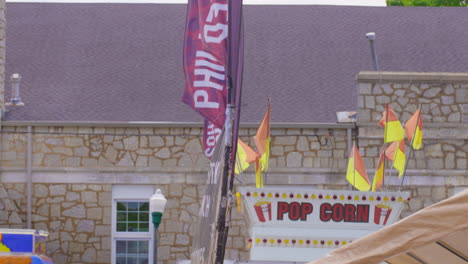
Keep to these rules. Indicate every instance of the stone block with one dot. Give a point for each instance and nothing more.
(57, 190)
(53, 160)
(302, 144)
(105, 198)
(103, 230)
(163, 153)
(85, 226)
(81, 152)
(183, 240)
(77, 211)
(88, 197)
(40, 190)
(294, 159)
(89, 256)
(94, 213)
(365, 88)
(286, 140)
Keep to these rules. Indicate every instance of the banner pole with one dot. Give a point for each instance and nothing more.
(411, 149)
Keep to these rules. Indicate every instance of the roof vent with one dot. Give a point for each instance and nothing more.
(15, 90)
(371, 36)
(346, 116)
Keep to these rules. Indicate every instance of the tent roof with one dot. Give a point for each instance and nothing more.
(436, 234)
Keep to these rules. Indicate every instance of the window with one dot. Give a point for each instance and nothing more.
(131, 225)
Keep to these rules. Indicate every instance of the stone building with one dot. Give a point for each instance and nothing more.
(102, 124)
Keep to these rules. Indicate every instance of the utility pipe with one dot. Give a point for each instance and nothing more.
(29, 178)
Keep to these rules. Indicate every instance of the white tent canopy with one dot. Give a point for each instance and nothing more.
(433, 235)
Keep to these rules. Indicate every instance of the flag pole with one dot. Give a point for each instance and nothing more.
(231, 127)
(411, 149)
(385, 145)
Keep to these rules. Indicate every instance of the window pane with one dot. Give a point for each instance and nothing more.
(143, 260)
(121, 260)
(144, 217)
(121, 206)
(121, 227)
(121, 246)
(143, 247)
(144, 206)
(122, 216)
(132, 227)
(132, 251)
(132, 206)
(133, 217)
(133, 246)
(143, 227)
(132, 260)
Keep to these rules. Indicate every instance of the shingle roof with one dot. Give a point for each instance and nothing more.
(123, 62)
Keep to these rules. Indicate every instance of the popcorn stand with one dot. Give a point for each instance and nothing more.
(300, 225)
(23, 246)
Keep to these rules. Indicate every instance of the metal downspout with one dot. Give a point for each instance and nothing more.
(350, 141)
(29, 178)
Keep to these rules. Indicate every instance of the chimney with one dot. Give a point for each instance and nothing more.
(15, 90)
(371, 36)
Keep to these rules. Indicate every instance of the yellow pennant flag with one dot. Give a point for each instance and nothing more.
(399, 160)
(356, 174)
(414, 129)
(396, 153)
(393, 129)
(258, 175)
(379, 173)
(244, 157)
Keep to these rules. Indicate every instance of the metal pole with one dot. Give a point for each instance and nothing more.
(29, 178)
(155, 244)
(371, 37)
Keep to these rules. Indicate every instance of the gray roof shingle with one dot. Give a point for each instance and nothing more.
(123, 62)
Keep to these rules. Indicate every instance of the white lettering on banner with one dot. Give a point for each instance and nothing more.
(207, 76)
(215, 28)
(214, 12)
(212, 136)
(212, 175)
(199, 255)
(204, 103)
(205, 206)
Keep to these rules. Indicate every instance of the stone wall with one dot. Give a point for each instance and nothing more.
(74, 169)
(156, 148)
(443, 100)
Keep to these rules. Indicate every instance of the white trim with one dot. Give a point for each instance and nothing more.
(246, 2)
(135, 193)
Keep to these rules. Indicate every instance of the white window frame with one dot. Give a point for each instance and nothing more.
(131, 193)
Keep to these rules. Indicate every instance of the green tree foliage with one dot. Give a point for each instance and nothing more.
(427, 3)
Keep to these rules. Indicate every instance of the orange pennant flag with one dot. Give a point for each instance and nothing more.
(414, 129)
(379, 173)
(244, 157)
(262, 141)
(356, 174)
(393, 129)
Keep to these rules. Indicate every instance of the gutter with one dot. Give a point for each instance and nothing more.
(168, 124)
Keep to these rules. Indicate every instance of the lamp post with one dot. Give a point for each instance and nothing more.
(157, 204)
